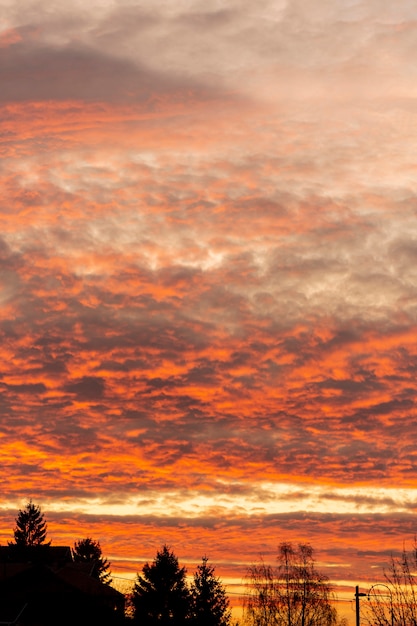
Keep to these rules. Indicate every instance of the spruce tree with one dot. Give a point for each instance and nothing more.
(161, 596)
(89, 551)
(210, 604)
(30, 530)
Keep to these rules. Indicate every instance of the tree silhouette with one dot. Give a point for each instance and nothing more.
(160, 595)
(210, 605)
(395, 600)
(30, 530)
(293, 594)
(89, 551)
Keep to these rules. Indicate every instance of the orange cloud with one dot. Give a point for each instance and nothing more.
(207, 284)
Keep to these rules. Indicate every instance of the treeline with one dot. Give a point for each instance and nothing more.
(161, 594)
(30, 543)
(290, 593)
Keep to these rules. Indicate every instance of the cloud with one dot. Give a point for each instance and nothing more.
(137, 539)
(87, 388)
(33, 72)
(285, 50)
(207, 286)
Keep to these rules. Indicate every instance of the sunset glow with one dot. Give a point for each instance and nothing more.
(208, 278)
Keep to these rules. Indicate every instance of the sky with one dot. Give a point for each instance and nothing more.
(208, 283)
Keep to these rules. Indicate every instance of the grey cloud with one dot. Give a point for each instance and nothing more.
(26, 388)
(224, 45)
(350, 386)
(87, 388)
(31, 71)
(369, 500)
(403, 254)
(204, 20)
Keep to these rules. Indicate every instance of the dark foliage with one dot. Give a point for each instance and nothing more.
(31, 528)
(292, 594)
(160, 596)
(395, 600)
(89, 551)
(210, 605)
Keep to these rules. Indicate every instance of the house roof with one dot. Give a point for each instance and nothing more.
(76, 575)
(52, 555)
(64, 591)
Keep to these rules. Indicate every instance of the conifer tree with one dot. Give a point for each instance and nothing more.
(89, 551)
(30, 530)
(161, 596)
(210, 604)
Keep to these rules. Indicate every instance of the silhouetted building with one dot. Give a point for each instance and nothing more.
(52, 589)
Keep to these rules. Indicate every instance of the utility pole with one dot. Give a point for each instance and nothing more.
(357, 596)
